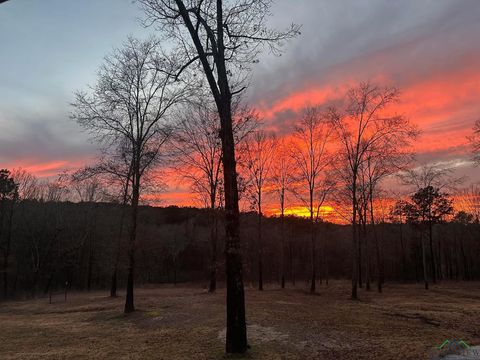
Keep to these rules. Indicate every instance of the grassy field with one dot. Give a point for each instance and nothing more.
(404, 322)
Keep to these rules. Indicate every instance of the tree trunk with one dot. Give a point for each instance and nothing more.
(129, 300)
(213, 239)
(377, 246)
(360, 280)
(113, 284)
(312, 239)
(433, 263)
(260, 245)
(236, 341)
(424, 261)
(236, 335)
(367, 259)
(314, 272)
(282, 252)
(354, 241)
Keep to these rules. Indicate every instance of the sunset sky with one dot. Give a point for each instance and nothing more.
(429, 49)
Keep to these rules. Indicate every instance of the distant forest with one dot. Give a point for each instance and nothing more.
(79, 245)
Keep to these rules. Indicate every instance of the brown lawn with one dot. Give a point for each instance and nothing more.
(404, 322)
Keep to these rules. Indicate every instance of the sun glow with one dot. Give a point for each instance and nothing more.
(303, 211)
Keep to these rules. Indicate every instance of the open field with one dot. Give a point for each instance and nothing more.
(186, 323)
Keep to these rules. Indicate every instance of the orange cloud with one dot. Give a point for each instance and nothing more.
(45, 169)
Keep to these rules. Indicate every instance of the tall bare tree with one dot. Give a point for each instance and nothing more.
(310, 154)
(282, 178)
(257, 161)
(364, 121)
(223, 38)
(384, 158)
(131, 102)
(198, 157)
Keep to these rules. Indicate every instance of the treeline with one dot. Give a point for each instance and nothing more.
(47, 245)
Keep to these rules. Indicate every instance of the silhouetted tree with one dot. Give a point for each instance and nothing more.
(258, 151)
(223, 38)
(131, 102)
(362, 123)
(198, 158)
(310, 154)
(382, 159)
(282, 179)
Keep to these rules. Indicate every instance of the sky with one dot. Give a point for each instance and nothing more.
(429, 49)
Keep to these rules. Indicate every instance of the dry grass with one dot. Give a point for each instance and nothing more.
(186, 323)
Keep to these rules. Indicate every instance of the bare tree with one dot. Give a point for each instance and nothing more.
(131, 102)
(28, 185)
(310, 155)
(282, 179)
(257, 161)
(384, 158)
(362, 123)
(198, 158)
(436, 175)
(222, 38)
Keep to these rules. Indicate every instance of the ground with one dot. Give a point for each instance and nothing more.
(184, 322)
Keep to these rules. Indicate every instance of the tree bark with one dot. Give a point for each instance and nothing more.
(129, 300)
(354, 240)
(113, 284)
(360, 280)
(236, 336)
(377, 245)
(367, 258)
(260, 244)
(213, 240)
(312, 239)
(433, 263)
